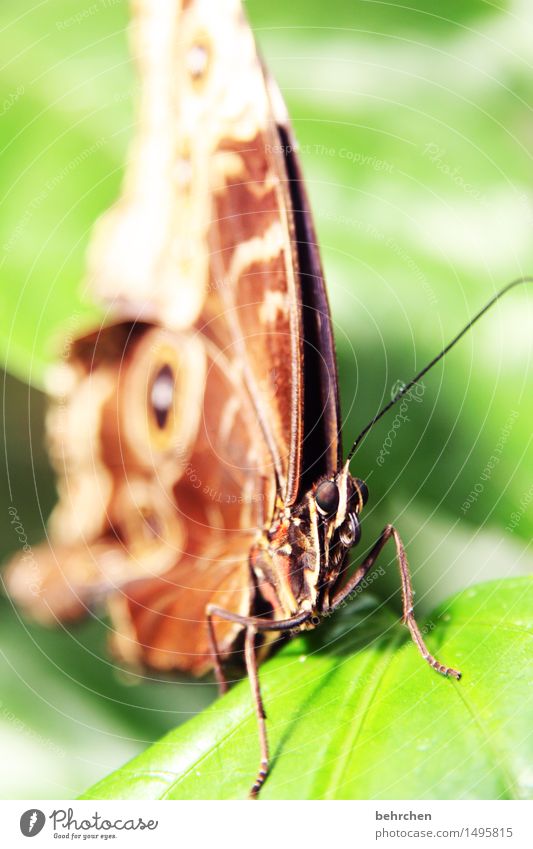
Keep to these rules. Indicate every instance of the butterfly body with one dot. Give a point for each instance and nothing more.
(299, 561)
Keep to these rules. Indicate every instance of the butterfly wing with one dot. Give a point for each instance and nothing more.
(209, 260)
(213, 227)
(158, 520)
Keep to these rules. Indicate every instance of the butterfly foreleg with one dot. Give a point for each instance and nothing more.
(217, 660)
(251, 668)
(407, 594)
(252, 626)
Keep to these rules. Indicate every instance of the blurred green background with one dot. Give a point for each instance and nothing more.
(416, 133)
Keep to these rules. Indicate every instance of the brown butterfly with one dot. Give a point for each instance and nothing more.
(196, 433)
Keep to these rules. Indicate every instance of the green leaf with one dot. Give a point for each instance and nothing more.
(354, 713)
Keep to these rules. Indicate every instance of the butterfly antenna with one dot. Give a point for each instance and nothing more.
(408, 386)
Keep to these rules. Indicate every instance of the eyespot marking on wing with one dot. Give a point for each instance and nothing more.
(198, 59)
(162, 395)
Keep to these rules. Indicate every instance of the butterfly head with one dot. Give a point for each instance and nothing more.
(338, 503)
(299, 561)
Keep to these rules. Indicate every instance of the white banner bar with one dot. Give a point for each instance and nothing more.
(264, 825)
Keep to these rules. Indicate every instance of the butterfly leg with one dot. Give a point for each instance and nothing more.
(253, 625)
(407, 595)
(251, 668)
(217, 660)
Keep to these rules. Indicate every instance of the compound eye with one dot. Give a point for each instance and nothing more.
(350, 532)
(327, 498)
(162, 395)
(362, 489)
